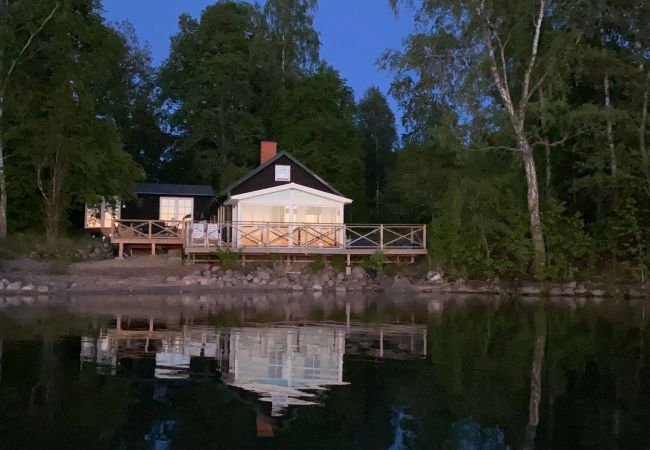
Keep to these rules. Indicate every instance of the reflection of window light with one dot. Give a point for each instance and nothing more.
(282, 173)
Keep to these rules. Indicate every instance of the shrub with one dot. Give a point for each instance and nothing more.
(317, 264)
(228, 258)
(375, 261)
(338, 262)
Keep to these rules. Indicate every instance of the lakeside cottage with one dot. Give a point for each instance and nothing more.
(280, 208)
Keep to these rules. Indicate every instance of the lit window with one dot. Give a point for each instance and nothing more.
(175, 208)
(282, 173)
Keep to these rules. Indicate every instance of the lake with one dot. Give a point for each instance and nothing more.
(257, 370)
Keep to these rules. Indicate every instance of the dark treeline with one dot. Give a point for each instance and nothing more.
(525, 124)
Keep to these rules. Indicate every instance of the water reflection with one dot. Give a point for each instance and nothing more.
(331, 372)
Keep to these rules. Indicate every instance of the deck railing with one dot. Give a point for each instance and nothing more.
(236, 235)
(148, 230)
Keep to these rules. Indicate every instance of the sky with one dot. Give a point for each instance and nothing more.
(353, 33)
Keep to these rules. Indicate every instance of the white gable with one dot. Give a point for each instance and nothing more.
(290, 193)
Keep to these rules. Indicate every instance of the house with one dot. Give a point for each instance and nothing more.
(281, 207)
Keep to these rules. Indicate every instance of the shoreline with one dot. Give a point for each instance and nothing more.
(165, 275)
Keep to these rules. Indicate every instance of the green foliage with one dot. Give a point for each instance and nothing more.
(375, 261)
(317, 264)
(338, 262)
(567, 243)
(228, 258)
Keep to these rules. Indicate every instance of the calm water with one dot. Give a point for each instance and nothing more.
(305, 372)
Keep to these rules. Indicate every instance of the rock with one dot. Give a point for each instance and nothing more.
(189, 280)
(28, 287)
(172, 279)
(597, 293)
(73, 285)
(636, 293)
(204, 281)
(215, 269)
(340, 277)
(255, 280)
(556, 291)
(529, 290)
(340, 289)
(220, 284)
(4, 282)
(15, 286)
(401, 283)
(317, 287)
(297, 287)
(250, 277)
(330, 284)
(434, 277)
(359, 273)
(43, 289)
(580, 290)
(263, 274)
(354, 286)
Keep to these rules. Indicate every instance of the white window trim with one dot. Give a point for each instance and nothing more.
(278, 169)
(160, 202)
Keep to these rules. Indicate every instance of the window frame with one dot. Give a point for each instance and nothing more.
(175, 199)
(278, 169)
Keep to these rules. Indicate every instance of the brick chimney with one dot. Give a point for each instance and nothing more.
(268, 150)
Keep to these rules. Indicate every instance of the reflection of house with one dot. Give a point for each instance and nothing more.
(284, 364)
(280, 364)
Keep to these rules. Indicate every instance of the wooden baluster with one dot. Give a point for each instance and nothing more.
(150, 225)
(381, 236)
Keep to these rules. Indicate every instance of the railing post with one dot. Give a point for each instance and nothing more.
(381, 236)
(150, 224)
(424, 237)
(206, 238)
(266, 235)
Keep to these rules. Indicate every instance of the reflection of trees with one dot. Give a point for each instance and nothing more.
(536, 380)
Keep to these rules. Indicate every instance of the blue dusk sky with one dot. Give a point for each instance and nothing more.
(353, 33)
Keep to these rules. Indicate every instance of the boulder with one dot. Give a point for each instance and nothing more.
(359, 273)
(43, 289)
(297, 287)
(317, 287)
(173, 279)
(597, 293)
(529, 290)
(401, 283)
(15, 286)
(636, 293)
(28, 287)
(340, 289)
(4, 282)
(556, 291)
(434, 277)
(263, 274)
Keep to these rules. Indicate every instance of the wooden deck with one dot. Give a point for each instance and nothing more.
(202, 238)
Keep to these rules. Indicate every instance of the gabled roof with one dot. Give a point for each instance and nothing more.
(173, 189)
(261, 167)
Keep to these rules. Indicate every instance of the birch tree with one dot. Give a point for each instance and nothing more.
(15, 50)
(479, 55)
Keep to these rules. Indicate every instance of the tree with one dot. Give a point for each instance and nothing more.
(206, 83)
(291, 27)
(470, 57)
(62, 133)
(17, 41)
(376, 123)
(319, 129)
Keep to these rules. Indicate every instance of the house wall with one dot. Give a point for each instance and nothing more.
(147, 207)
(266, 178)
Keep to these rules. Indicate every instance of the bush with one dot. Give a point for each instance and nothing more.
(317, 264)
(228, 258)
(567, 243)
(339, 262)
(375, 261)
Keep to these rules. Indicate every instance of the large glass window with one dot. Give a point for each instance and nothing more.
(317, 214)
(264, 213)
(176, 208)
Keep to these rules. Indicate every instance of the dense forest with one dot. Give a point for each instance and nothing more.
(524, 123)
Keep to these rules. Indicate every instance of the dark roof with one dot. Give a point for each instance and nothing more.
(173, 189)
(261, 167)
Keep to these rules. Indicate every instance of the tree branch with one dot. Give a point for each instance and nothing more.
(533, 57)
(25, 47)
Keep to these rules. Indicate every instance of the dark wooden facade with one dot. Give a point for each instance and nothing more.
(146, 204)
(264, 177)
